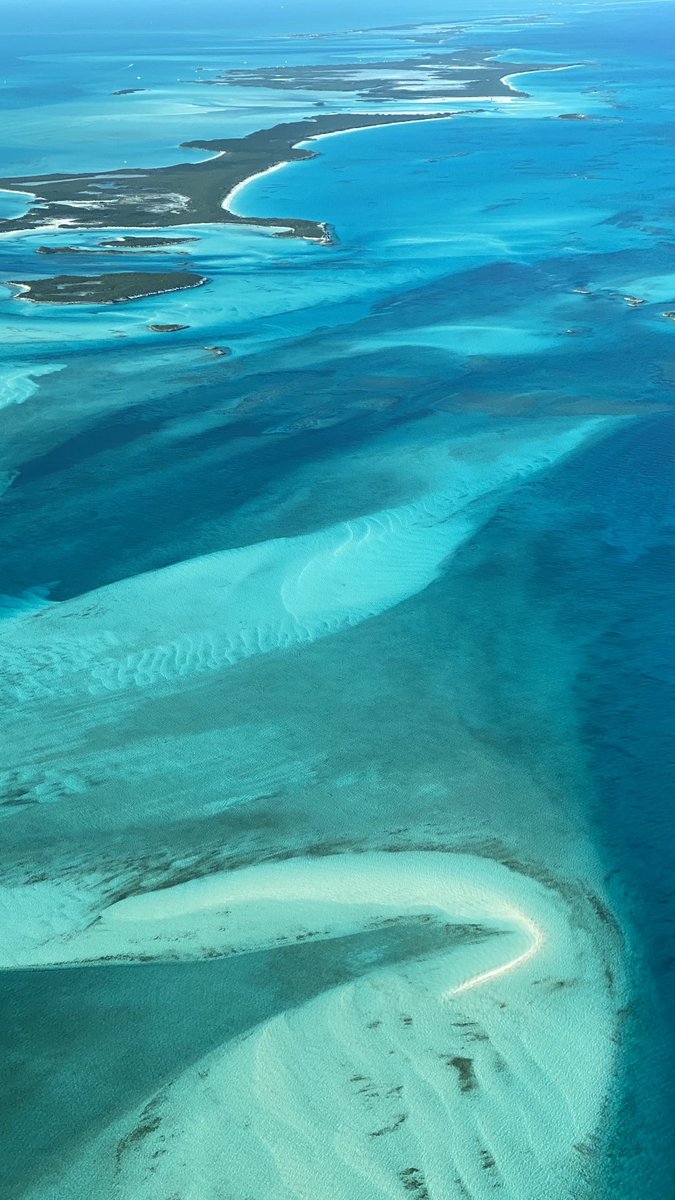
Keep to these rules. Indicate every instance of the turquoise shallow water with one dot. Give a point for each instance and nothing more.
(445, 444)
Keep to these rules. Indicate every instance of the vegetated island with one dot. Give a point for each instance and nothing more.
(187, 193)
(131, 242)
(201, 192)
(424, 31)
(167, 328)
(120, 245)
(462, 73)
(115, 288)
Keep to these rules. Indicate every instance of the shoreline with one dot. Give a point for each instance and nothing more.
(318, 137)
(506, 79)
(239, 187)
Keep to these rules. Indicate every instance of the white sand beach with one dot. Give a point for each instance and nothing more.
(239, 187)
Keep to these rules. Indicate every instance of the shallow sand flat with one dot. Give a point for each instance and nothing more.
(18, 381)
(218, 609)
(484, 338)
(485, 1065)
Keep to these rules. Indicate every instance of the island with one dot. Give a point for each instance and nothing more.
(120, 245)
(68, 250)
(130, 242)
(203, 192)
(115, 288)
(463, 74)
(167, 328)
(188, 193)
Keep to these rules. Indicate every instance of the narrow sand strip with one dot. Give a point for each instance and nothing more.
(538, 937)
(262, 902)
(507, 80)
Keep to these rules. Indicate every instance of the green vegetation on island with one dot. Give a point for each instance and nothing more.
(115, 288)
(464, 74)
(187, 193)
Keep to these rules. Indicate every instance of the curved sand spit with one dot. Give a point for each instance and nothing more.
(483, 1067)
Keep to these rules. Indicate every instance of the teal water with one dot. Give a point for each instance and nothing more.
(448, 441)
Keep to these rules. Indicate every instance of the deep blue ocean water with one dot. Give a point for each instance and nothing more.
(476, 290)
(601, 548)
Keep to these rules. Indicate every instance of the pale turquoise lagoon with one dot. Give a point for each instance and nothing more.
(335, 672)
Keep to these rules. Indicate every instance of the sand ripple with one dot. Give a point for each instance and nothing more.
(216, 610)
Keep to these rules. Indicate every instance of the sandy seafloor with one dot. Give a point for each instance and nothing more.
(337, 691)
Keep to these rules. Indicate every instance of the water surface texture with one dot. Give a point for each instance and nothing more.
(335, 668)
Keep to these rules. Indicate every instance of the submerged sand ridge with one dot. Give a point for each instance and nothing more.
(483, 1066)
(224, 607)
